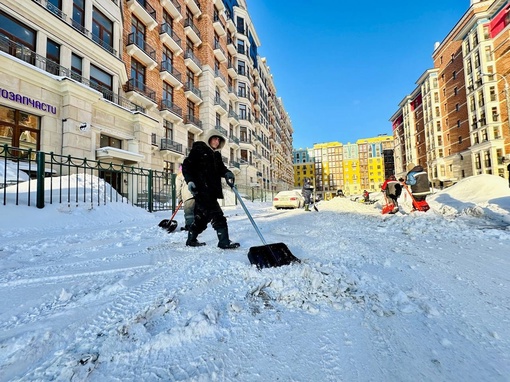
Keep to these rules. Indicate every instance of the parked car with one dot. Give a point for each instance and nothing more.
(288, 199)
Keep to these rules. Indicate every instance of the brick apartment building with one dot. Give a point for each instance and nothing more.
(136, 82)
(455, 123)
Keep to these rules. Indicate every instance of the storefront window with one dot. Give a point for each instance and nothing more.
(19, 129)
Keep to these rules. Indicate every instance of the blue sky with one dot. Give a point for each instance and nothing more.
(342, 67)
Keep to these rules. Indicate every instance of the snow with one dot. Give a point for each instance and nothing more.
(101, 293)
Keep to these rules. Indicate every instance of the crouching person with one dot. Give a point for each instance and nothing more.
(203, 170)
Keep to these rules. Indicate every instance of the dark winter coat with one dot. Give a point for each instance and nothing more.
(418, 179)
(307, 191)
(204, 167)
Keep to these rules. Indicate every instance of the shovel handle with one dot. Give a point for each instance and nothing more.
(176, 210)
(234, 189)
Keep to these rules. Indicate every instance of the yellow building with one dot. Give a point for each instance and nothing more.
(303, 164)
(351, 167)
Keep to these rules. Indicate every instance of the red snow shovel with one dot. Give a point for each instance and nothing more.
(267, 255)
(169, 224)
(388, 207)
(420, 205)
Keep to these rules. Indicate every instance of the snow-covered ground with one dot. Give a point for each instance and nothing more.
(104, 294)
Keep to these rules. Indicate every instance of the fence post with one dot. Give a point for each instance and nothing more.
(149, 191)
(40, 179)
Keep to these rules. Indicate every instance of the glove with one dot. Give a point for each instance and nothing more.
(192, 188)
(230, 178)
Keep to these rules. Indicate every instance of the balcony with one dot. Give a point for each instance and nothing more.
(233, 139)
(173, 8)
(193, 93)
(143, 52)
(233, 118)
(220, 106)
(219, 79)
(193, 124)
(192, 62)
(171, 149)
(138, 92)
(219, 5)
(232, 93)
(231, 45)
(218, 24)
(170, 39)
(194, 7)
(192, 32)
(232, 72)
(221, 130)
(219, 53)
(143, 11)
(171, 75)
(108, 153)
(170, 111)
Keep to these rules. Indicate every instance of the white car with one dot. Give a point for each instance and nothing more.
(288, 199)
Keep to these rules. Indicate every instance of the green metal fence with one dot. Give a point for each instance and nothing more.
(30, 177)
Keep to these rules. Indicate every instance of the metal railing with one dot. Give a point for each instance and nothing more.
(29, 177)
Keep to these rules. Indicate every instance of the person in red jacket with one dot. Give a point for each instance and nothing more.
(392, 189)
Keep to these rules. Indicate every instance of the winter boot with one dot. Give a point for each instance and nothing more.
(192, 240)
(223, 239)
(307, 207)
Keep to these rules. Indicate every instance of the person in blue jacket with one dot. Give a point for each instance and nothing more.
(418, 179)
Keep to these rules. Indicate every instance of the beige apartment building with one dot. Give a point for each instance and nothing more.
(461, 126)
(136, 82)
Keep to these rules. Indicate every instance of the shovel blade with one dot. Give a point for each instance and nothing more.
(271, 255)
(387, 208)
(169, 225)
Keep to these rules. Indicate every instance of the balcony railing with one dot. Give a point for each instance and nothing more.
(191, 119)
(190, 87)
(219, 101)
(221, 130)
(166, 28)
(166, 104)
(80, 28)
(167, 66)
(32, 58)
(140, 43)
(168, 144)
(145, 5)
(134, 85)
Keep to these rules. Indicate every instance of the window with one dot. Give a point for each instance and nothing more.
(102, 30)
(53, 55)
(102, 81)
(78, 18)
(169, 130)
(19, 129)
(76, 67)
(168, 94)
(242, 89)
(243, 114)
(138, 74)
(107, 141)
(241, 67)
(240, 25)
(240, 47)
(138, 32)
(18, 34)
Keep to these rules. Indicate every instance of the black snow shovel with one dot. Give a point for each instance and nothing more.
(170, 224)
(267, 255)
